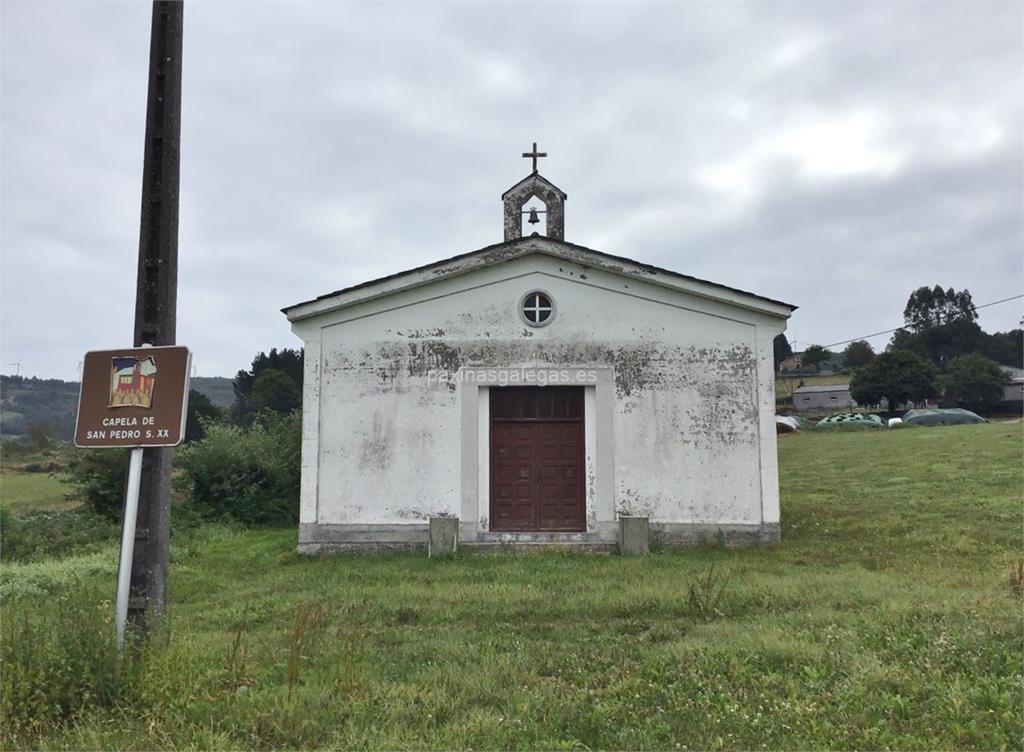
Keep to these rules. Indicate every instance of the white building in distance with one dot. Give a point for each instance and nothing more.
(823, 397)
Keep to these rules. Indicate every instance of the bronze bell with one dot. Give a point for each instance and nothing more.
(534, 219)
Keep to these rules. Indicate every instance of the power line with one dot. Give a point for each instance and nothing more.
(890, 331)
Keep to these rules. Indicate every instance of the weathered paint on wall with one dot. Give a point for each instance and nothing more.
(384, 424)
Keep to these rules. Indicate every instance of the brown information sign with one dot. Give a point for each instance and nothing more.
(135, 397)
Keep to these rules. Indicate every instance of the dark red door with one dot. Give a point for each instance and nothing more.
(537, 459)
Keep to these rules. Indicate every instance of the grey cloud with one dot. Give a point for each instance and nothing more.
(835, 154)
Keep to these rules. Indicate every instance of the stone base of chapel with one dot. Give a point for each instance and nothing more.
(317, 538)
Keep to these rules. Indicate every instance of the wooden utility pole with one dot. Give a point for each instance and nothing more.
(156, 297)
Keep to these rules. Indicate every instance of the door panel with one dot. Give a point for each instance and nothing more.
(537, 459)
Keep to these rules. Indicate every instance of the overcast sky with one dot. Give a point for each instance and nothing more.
(835, 155)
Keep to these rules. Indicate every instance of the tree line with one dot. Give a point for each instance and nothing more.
(940, 351)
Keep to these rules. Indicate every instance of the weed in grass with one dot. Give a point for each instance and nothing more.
(309, 618)
(405, 615)
(347, 675)
(292, 557)
(59, 660)
(705, 594)
(1017, 578)
(236, 675)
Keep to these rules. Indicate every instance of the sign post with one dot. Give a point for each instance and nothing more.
(124, 565)
(132, 398)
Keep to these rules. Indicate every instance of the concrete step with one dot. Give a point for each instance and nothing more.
(505, 547)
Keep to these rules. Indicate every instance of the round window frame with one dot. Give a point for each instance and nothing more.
(537, 324)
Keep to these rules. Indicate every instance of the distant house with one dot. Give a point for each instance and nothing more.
(1013, 386)
(823, 397)
(793, 363)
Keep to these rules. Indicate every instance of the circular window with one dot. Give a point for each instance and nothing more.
(537, 308)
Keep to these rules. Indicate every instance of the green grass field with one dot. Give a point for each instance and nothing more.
(886, 619)
(24, 492)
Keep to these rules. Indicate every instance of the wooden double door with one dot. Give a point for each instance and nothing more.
(537, 464)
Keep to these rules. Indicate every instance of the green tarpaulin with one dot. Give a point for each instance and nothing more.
(851, 420)
(941, 417)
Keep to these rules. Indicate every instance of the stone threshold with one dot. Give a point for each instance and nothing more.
(487, 536)
(522, 547)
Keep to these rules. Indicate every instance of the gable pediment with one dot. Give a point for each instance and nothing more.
(503, 252)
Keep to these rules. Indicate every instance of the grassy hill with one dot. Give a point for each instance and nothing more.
(888, 617)
(28, 401)
(217, 388)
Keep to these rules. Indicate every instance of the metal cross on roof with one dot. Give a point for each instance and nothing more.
(535, 155)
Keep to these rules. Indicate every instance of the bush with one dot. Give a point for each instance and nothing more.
(60, 663)
(11, 449)
(99, 476)
(39, 436)
(57, 662)
(41, 467)
(249, 473)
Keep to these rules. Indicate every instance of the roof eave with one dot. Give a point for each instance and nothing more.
(390, 284)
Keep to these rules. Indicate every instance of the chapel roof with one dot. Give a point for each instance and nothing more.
(500, 252)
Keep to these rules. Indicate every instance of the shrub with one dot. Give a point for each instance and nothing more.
(39, 436)
(41, 467)
(99, 476)
(250, 473)
(11, 449)
(57, 661)
(60, 662)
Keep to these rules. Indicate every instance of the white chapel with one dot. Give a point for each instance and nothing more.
(537, 391)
